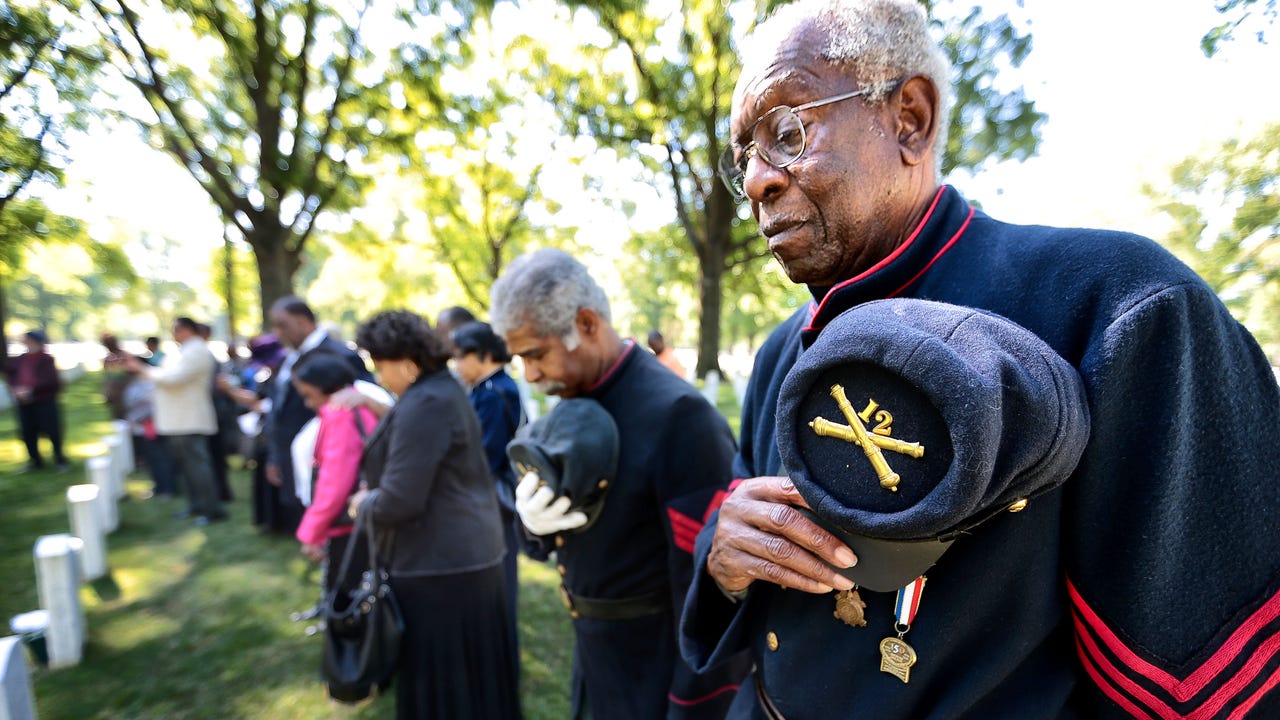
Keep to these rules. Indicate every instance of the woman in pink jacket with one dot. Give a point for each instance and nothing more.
(339, 447)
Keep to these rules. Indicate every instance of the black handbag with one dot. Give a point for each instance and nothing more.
(363, 625)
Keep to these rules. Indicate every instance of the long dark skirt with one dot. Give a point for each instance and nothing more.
(456, 657)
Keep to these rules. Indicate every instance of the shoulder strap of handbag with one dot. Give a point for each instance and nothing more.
(364, 434)
(364, 523)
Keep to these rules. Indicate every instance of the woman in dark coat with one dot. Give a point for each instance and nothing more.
(433, 504)
(480, 359)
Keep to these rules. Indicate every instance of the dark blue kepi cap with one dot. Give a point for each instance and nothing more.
(574, 450)
(909, 422)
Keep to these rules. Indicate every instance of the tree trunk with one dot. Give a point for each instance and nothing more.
(709, 288)
(276, 266)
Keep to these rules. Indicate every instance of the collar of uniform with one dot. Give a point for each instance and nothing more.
(943, 223)
(606, 380)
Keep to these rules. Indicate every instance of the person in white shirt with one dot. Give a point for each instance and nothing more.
(185, 418)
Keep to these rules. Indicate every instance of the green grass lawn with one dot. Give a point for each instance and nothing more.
(194, 622)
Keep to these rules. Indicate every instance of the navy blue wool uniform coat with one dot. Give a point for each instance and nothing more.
(674, 463)
(1145, 587)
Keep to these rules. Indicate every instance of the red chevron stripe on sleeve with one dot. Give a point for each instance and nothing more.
(684, 530)
(716, 501)
(1229, 678)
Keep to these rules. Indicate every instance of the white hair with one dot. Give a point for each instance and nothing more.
(880, 41)
(545, 289)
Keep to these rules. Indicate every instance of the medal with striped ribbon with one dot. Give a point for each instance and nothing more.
(896, 656)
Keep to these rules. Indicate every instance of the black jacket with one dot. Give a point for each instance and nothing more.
(426, 459)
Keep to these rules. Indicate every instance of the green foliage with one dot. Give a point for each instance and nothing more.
(1226, 213)
(271, 105)
(986, 123)
(656, 93)
(53, 273)
(45, 85)
(1239, 14)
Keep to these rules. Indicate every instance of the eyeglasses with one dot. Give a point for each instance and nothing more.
(778, 137)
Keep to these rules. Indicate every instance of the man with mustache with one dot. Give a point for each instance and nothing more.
(624, 576)
(1144, 583)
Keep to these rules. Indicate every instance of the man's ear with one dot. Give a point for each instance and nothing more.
(587, 322)
(917, 118)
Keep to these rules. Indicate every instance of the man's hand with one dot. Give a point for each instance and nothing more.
(539, 513)
(273, 474)
(760, 536)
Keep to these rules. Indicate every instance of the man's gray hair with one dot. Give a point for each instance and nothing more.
(545, 289)
(880, 41)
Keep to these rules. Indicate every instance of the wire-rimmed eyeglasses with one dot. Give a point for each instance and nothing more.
(778, 137)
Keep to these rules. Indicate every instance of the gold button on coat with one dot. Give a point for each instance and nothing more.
(771, 640)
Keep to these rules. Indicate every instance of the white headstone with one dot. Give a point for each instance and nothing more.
(100, 474)
(711, 387)
(739, 387)
(86, 524)
(126, 445)
(58, 582)
(15, 683)
(115, 450)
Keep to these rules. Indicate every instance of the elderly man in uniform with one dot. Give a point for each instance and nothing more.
(625, 576)
(1143, 582)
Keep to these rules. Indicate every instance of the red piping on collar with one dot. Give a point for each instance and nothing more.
(888, 259)
(614, 367)
(963, 226)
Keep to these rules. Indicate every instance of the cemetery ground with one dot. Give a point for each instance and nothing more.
(193, 623)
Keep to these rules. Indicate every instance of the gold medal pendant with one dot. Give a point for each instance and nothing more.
(896, 658)
(850, 608)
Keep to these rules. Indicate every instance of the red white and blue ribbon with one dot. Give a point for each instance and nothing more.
(908, 603)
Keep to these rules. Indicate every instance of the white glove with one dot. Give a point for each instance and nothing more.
(537, 511)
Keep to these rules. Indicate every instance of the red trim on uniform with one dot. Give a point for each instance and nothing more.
(1247, 705)
(714, 693)
(1107, 688)
(890, 258)
(716, 501)
(631, 345)
(1087, 622)
(963, 226)
(684, 529)
(736, 482)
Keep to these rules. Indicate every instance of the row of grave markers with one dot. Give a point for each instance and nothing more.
(63, 562)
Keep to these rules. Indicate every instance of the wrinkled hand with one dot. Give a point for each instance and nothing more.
(540, 513)
(273, 474)
(761, 537)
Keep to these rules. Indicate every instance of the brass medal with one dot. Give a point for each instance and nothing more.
(896, 658)
(850, 607)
